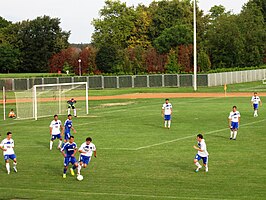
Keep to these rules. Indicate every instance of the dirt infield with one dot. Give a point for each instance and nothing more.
(150, 96)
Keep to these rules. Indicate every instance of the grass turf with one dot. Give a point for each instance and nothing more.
(138, 159)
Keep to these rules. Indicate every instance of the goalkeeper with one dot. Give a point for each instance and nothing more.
(71, 104)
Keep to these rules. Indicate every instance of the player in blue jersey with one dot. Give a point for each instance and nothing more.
(68, 127)
(69, 150)
(71, 104)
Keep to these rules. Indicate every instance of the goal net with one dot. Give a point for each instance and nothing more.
(50, 99)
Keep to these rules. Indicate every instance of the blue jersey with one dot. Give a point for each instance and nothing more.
(68, 125)
(69, 148)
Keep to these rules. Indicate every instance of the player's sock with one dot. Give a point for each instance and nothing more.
(15, 167)
(256, 113)
(65, 170)
(8, 168)
(74, 167)
(235, 134)
(169, 124)
(60, 144)
(51, 145)
(231, 136)
(75, 112)
(165, 124)
(198, 165)
(206, 168)
(68, 111)
(79, 168)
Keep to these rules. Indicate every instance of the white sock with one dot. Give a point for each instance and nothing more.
(256, 112)
(14, 164)
(206, 168)
(79, 168)
(60, 143)
(232, 132)
(68, 111)
(198, 165)
(235, 133)
(8, 168)
(51, 145)
(169, 124)
(165, 123)
(75, 112)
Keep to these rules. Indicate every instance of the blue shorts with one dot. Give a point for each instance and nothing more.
(234, 125)
(84, 159)
(256, 106)
(58, 136)
(68, 160)
(67, 136)
(204, 159)
(167, 117)
(12, 157)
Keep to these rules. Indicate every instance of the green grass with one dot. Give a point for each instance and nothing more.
(138, 159)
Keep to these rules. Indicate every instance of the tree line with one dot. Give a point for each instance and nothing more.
(157, 38)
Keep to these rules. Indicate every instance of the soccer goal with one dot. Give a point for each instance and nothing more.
(50, 99)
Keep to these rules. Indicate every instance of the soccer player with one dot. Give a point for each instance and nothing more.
(7, 145)
(202, 153)
(234, 121)
(68, 127)
(86, 150)
(12, 114)
(255, 101)
(69, 150)
(56, 131)
(166, 113)
(71, 104)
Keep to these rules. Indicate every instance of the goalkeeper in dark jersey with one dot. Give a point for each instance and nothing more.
(71, 104)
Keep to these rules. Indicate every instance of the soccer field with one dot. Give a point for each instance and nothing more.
(138, 159)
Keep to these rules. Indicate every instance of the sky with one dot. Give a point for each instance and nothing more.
(76, 15)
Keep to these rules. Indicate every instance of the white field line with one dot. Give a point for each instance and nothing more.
(105, 194)
(207, 133)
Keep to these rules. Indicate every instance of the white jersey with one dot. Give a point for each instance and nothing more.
(56, 127)
(167, 108)
(88, 148)
(255, 99)
(233, 116)
(8, 145)
(203, 147)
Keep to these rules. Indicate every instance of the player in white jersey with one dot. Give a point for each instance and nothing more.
(166, 113)
(255, 101)
(86, 150)
(7, 145)
(202, 153)
(234, 121)
(56, 131)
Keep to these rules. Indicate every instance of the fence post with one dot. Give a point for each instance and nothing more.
(133, 81)
(117, 81)
(148, 81)
(162, 80)
(13, 84)
(178, 80)
(28, 83)
(88, 81)
(102, 82)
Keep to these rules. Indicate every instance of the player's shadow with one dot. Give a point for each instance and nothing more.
(180, 166)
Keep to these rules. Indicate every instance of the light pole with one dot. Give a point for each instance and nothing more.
(195, 46)
(79, 60)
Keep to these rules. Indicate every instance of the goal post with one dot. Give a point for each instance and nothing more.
(49, 99)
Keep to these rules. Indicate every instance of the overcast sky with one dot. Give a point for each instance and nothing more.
(76, 15)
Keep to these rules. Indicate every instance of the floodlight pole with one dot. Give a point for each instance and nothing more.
(79, 60)
(4, 102)
(195, 46)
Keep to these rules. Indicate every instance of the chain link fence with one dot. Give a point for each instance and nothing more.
(137, 81)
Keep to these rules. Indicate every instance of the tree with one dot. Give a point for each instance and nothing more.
(204, 62)
(217, 11)
(9, 58)
(39, 40)
(172, 65)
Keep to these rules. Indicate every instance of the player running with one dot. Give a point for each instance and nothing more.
(234, 121)
(69, 150)
(255, 101)
(68, 127)
(71, 104)
(202, 153)
(7, 145)
(86, 150)
(166, 113)
(56, 131)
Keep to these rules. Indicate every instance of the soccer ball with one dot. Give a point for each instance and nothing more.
(80, 177)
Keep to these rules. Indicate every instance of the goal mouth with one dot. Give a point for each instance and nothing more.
(50, 99)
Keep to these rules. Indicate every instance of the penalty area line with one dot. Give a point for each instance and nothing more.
(183, 138)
